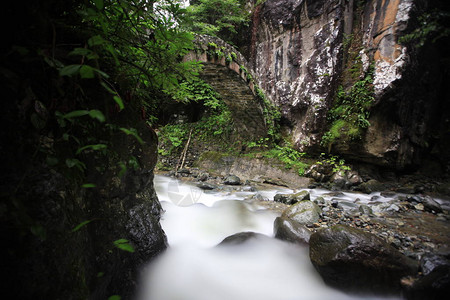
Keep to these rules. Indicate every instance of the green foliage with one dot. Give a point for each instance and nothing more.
(79, 226)
(220, 18)
(337, 164)
(432, 26)
(271, 114)
(216, 122)
(124, 245)
(291, 158)
(350, 113)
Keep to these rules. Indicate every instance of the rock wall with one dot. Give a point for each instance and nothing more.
(43, 256)
(296, 51)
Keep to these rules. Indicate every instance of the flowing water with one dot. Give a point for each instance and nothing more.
(193, 268)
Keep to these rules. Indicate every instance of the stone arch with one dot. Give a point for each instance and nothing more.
(224, 68)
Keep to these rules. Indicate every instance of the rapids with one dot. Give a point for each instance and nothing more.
(263, 268)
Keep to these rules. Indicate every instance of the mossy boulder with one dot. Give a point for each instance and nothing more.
(354, 260)
(304, 212)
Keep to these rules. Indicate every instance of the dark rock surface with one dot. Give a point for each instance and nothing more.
(291, 198)
(291, 231)
(351, 259)
(240, 238)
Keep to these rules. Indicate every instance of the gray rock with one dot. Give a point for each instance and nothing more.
(355, 260)
(431, 261)
(232, 180)
(431, 205)
(291, 231)
(303, 212)
(365, 209)
(371, 186)
(206, 186)
(240, 238)
(291, 198)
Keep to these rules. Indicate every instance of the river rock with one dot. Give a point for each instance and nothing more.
(291, 231)
(351, 259)
(232, 180)
(206, 186)
(371, 186)
(431, 205)
(292, 198)
(431, 261)
(433, 286)
(240, 238)
(303, 212)
(365, 209)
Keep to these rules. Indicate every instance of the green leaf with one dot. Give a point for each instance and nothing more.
(123, 169)
(87, 72)
(69, 70)
(100, 274)
(124, 245)
(96, 114)
(119, 102)
(73, 162)
(115, 297)
(132, 132)
(88, 185)
(76, 113)
(76, 228)
(96, 40)
(99, 4)
(92, 147)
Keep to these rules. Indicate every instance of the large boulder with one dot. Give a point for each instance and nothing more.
(232, 180)
(353, 260)
(291, 231)
(304, 212)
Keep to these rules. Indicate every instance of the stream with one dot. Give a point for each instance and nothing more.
(262, 268)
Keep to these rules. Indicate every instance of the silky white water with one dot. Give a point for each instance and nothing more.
(193, 268)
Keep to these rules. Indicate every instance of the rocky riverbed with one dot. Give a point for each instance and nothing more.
(414, 225)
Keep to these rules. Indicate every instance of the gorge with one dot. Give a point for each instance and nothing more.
(344, 99)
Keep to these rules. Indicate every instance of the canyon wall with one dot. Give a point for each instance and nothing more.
(299, 55)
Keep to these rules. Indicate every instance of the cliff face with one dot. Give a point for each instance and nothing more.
(300, 54)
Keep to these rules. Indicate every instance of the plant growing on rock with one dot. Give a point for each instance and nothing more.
(350, 112)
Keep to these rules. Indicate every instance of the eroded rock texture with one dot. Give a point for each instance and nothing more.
(297, 53)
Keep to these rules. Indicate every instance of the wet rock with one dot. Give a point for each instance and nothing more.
(292, 198)
(431, 205)
(303, 212)
(406, 190)
(346, 205)
(232, 180)
(240, 238)
(365, 209)
(207, 186)
(419, 206)
(291, 231)
(433, 286)
(352, 259)
(371, 186)
(431, 261)
(203, 176)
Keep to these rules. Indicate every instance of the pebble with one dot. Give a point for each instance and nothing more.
(419, 206)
